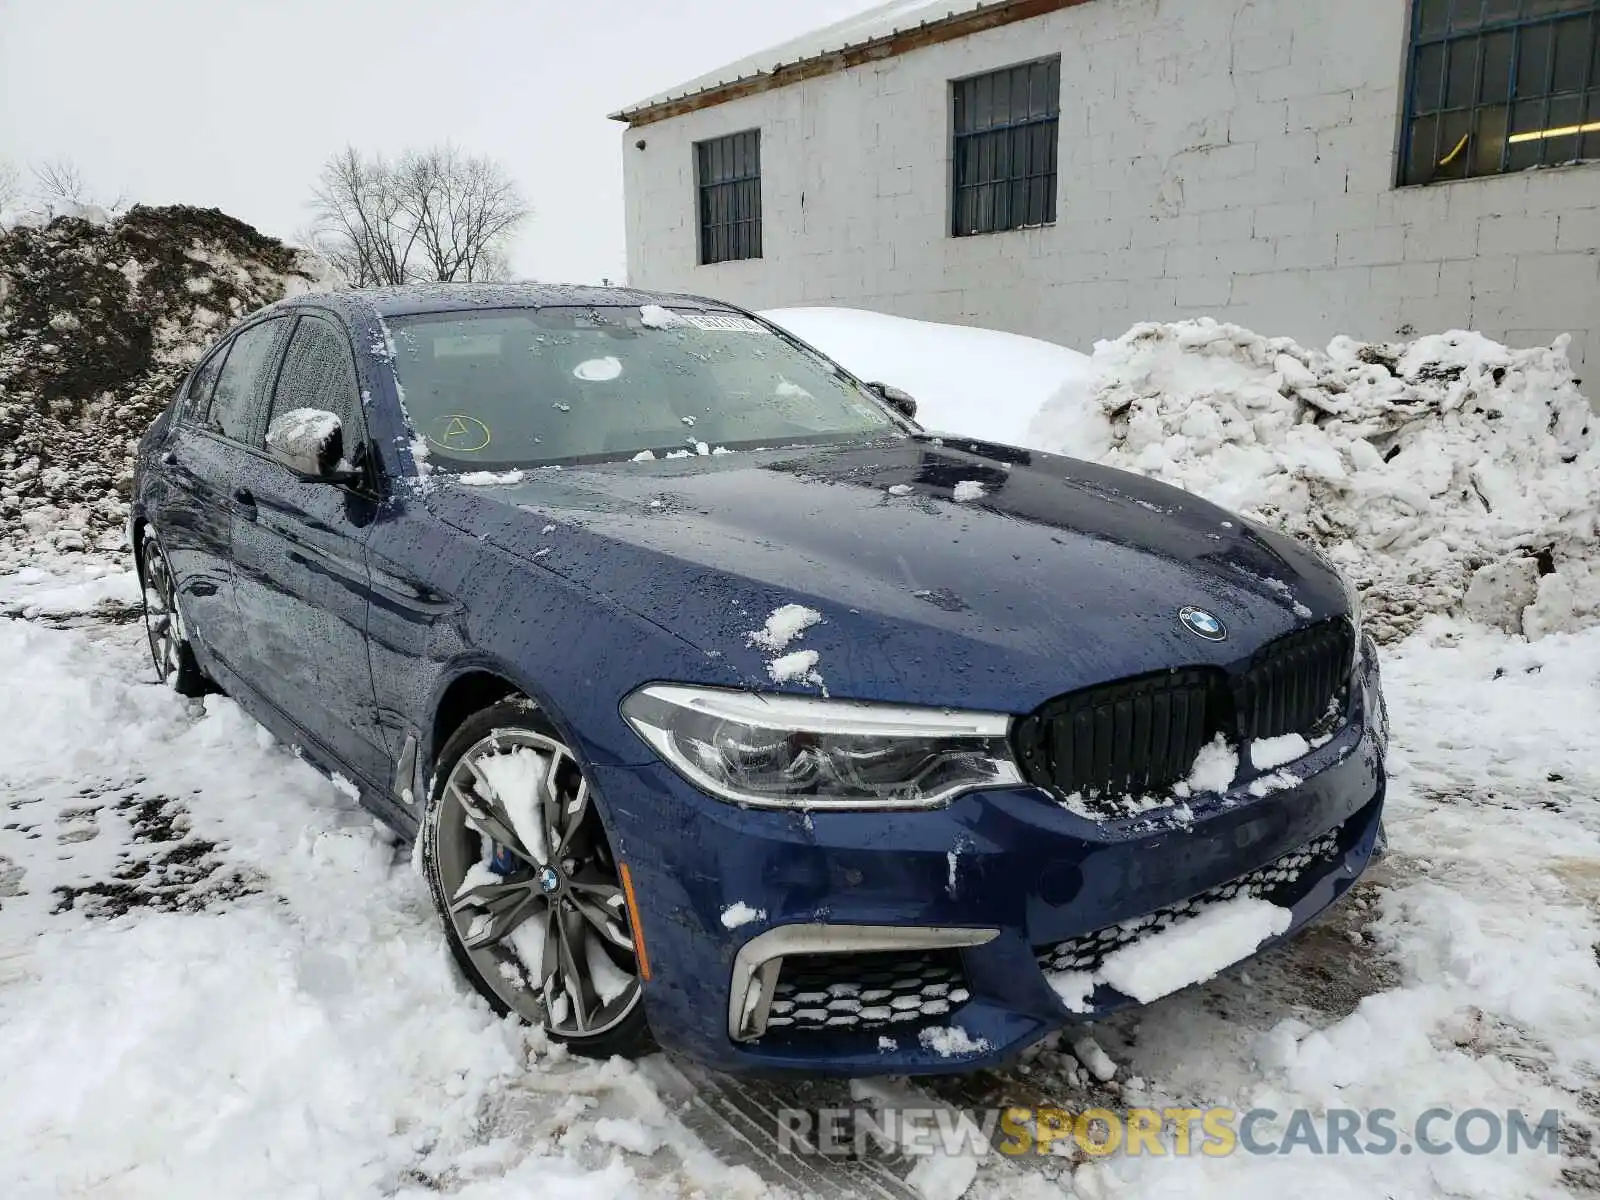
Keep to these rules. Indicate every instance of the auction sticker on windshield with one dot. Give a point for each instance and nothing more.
(730, 322)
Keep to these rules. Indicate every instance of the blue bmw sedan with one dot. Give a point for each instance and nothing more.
(731, 711)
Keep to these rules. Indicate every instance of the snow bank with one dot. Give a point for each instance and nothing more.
(979, 382)
(1447, 474)
(100, 320)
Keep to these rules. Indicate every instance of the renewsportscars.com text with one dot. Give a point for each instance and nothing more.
(1162, 1132)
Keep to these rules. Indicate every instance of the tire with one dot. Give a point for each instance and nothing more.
(170, 648)
(510, 905)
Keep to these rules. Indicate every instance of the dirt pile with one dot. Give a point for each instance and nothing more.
(100, 320)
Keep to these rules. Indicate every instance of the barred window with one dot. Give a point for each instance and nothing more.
(729, 173)
(1501, 85)
(1006, 124)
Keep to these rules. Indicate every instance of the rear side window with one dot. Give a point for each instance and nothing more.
(318, 372)
(198, 397)
(239, 397)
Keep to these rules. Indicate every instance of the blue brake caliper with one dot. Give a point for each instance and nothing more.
(504, 862)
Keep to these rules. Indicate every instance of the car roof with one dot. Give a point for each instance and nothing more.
(457, 297)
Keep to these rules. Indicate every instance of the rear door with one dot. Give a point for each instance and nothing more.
(194, 514)
(300, 569)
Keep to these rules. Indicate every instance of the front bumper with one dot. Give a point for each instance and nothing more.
(990, 891)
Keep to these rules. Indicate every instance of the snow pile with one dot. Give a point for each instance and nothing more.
(979, 382)
(1213, 771)
(949, 1041)
(100, 320)
(490, 478)
(1268, 754)
(739, 914)
(784, 625)
(1425, 469)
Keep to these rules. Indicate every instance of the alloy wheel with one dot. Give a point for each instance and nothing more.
(176, 666)
(531, 885)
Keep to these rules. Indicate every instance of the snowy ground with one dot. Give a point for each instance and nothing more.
(218, 977)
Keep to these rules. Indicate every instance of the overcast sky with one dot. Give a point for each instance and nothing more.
(234, 105)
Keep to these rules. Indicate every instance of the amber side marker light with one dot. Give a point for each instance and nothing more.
(633, 921)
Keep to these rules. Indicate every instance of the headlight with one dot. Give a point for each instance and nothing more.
(774, 751)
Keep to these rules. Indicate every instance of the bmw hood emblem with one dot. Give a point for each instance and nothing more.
(1202, 624)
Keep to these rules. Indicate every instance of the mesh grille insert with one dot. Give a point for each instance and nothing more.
(866, 991)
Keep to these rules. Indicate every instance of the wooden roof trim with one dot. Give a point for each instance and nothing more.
(835, 61)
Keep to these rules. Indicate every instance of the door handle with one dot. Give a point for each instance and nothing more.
(244, 498)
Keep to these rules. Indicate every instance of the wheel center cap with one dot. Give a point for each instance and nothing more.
(549, 881)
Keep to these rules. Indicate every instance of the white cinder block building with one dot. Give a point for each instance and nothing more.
(1064, 168)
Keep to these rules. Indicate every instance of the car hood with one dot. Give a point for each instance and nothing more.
(952, 573)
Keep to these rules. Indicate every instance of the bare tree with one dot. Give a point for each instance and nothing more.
(361, 227)
(465, 209)
(59, 188)
(436, 214)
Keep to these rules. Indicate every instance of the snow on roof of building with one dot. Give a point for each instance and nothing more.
(886, 20)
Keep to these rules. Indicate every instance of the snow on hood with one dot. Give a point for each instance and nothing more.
(737, 554)
(1446, 474)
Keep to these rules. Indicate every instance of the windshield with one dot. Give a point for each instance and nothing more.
(508, 388)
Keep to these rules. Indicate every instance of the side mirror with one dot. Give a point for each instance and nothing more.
(896, 399)
(310, 442)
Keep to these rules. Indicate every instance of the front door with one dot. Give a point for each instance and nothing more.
(300, 570)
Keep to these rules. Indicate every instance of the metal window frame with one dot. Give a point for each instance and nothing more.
(707, 191)
(1417, 43)
(1052, 178)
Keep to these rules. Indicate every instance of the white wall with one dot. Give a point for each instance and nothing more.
(1225, 157)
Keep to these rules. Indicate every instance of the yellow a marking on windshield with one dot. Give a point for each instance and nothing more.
(460, 433)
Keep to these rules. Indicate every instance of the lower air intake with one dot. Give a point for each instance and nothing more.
(1277, 878)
